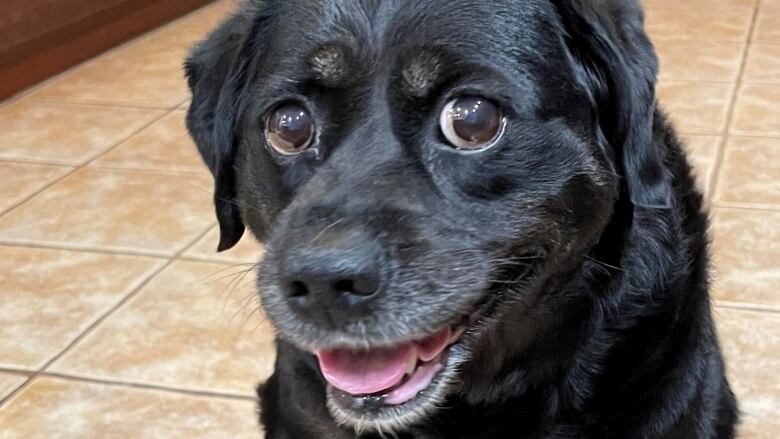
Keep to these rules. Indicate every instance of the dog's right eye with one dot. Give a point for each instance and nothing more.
(289, 129)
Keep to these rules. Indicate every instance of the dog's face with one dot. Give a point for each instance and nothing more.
(418, 171)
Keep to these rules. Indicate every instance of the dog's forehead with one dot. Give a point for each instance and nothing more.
(345, 34)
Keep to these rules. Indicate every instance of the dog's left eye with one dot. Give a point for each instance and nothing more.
(472, 123)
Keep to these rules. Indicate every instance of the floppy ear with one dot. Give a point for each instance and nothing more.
(617, 65)
(214, 73)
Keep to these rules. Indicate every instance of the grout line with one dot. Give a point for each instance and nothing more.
(755, 307)
(746, 206)
(112, 104)
(138, 168)
(682, 134)
(698, 81)
(27, 380)
(143, 386)
(754, 30)
(16, 371)
(87, 162)
(102, 318)
(768, 136)
(29, 161)
(697, 133)
(696, 40)
(763, 83)
(84, 248)
(32, 195)
(721, 152)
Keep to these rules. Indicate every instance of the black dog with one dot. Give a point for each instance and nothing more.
(478, 223)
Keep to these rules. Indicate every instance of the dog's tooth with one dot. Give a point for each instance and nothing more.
(412, 364)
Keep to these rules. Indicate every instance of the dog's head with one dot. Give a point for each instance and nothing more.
(419, 172)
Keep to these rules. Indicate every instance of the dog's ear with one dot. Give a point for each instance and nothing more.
(615, 61)
(215, 74)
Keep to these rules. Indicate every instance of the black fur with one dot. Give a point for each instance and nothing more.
(580, 236)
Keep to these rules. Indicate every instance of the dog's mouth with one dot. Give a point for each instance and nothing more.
(389, 375)
(386, 388)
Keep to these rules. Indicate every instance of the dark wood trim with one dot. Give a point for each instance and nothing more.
(55, 51)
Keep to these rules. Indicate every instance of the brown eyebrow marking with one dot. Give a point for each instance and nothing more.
(332, 65)
(421, 73)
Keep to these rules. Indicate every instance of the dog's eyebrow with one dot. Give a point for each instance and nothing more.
(331, 65)
(421, 72)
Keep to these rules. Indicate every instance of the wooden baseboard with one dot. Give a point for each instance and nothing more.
(53, 52)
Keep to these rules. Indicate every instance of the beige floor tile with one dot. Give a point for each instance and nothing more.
(248, 251)
(771, 4)
(135, 211)
(54, 408)
(67, 134)
(193, 326)
(751, 345)
(48, 297)
(21, 180)
(702, 151)
(756, 110)
(746, 256)
(696, 107)
(165, 145)
(767, 23)
(708, 23)
(145, 72)
(750, 173)
(9, 383)
(699, 60)
(763, 64)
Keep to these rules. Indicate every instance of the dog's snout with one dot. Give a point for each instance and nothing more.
(333, 281)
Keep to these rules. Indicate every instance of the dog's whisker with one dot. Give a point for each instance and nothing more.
(325, 230)
(244, 303)
(208, 279)
(235, 284)
(603, 264)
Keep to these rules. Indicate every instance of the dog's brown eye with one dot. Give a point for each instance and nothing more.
(289, 129)
(472, 123)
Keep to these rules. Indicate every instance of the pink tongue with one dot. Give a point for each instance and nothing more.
(362, 372)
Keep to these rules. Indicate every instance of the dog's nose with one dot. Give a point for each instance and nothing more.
(328, 283)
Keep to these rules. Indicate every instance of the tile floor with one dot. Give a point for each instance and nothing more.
(118, 320)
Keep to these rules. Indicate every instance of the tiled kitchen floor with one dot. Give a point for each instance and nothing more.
(118, 320)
